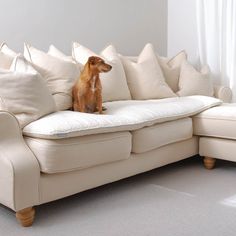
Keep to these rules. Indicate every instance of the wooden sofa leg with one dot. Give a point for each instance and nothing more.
(209, 162)
(26, 216)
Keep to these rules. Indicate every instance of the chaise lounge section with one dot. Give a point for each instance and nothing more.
(216, 128)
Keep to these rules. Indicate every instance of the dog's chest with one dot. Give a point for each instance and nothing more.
(93, 84)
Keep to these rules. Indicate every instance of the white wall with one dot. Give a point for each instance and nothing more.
(128, 24)
(182, 28)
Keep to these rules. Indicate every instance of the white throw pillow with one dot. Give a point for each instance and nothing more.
(5, 49)
(171, 69)
(114, 84)
(25, 94)
(53, 51)
(145, 78)
(21, 65)
(193, 82)
(6, 56)
(5, 61)
(60, 75)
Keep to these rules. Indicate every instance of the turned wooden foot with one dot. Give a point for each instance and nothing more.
(209, 162)
(26, 216)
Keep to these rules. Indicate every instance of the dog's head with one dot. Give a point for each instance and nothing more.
(98, 65)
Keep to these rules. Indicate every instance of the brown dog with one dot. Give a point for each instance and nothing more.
(87, 92)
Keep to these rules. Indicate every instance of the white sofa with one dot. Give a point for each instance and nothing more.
(67, 152)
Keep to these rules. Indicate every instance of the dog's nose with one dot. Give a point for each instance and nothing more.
(110, 67)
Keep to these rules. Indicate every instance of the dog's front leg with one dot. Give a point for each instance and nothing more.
(76, 107)
(99, 102)
(81, 104)
(98, 95)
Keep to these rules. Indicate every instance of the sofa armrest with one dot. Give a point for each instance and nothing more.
(19, 169)
(224, 93)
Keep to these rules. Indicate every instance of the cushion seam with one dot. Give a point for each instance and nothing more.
(213, 118)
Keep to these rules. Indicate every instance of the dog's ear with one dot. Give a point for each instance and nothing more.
(92, 60)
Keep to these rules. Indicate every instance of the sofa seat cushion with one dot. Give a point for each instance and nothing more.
(152, 137)
(217, 122)
(82, 152)
(119, 116)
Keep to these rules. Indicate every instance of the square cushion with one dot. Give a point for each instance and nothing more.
(25, 94)
(114, 84)
(171, 69)
(152, 137)
(219, 122)
(70, 154)
(193, 82)
(145, 78)
(60, 75)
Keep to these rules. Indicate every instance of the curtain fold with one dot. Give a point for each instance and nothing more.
(216, 21)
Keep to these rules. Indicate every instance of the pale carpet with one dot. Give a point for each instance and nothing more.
(176, 200)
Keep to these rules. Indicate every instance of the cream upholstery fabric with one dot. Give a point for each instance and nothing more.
(219, 148)
(114, 84)
(171, 69)
(19, 169)
(57, 186)
(25, 94)
(78, 153)
(155, 136)
(59, 74)
(193, 82)
(145, 78)
(20, 173)
(217, 122)
(120, 116)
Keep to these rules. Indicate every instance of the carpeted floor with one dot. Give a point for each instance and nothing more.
(176, 200)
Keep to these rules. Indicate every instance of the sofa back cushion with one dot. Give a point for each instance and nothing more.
(114, 84)
(171, 69)
(60, 75)
(5, 61)
(145, 78)
(55, 52)
(5, 49)
(24, 93)
(6, 56)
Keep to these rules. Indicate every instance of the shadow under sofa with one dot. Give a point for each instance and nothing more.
(30, 176)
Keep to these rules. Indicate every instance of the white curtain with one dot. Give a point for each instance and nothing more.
(217, 39)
